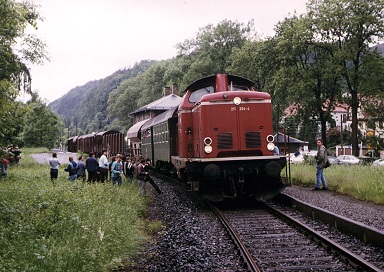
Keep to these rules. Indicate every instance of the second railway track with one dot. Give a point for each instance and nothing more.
(273, 240)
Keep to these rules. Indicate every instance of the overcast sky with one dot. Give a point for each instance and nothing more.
(90, 39)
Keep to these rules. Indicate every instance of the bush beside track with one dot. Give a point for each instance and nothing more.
(66, 227)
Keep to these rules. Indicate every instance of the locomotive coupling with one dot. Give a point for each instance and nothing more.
(212, 172)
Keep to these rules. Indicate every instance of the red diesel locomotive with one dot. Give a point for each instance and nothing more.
(219, 140)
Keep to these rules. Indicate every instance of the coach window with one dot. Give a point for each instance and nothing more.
(166, 133)
(157, 140)
(196, 95)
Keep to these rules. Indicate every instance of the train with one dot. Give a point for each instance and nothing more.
(111, 140)
(219, 140)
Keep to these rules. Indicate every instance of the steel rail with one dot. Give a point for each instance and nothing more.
(362, 232)
(247, 257)
(324, 241)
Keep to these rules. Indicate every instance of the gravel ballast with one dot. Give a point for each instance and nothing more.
(194, 240)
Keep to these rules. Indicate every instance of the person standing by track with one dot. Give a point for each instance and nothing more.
(140, 176)
(71, 169)
(81, 169)
(103, 166)
(16, 152)
(3, 166)
(117, 171)
(128, 169)
(92, 166)
(147, 168)
(321, 159)
(54, 163)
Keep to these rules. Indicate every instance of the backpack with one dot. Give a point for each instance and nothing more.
(327, 164)
(74, 167)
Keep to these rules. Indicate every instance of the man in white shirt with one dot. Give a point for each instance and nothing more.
(103, 166)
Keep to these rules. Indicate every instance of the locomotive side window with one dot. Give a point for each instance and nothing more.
(197, 94)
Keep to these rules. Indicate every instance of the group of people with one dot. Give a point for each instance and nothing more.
(119, 167)
(102, 170)
(8, 156)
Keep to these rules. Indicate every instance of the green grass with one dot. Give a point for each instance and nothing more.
(361, 182)
(34, 150)
(81, 227)
(65, 226)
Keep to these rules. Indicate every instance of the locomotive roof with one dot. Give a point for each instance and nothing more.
(211, 80)
(160, 118)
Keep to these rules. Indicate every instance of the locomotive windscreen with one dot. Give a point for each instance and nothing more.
(196, 95)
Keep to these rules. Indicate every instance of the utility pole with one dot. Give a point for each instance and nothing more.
(341, 134)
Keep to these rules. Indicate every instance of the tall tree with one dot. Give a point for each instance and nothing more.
(17, 50)
(307, 66)
(352, 25)
(294, 69)
(42, 126)
(12, 123)
(372, 84)
(255, 60)
(259, 61)
(212, 47)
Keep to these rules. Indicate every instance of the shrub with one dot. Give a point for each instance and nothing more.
(359, 181)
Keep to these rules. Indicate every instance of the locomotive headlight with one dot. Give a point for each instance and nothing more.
(270, 146)
(237, 100)
(208, 147)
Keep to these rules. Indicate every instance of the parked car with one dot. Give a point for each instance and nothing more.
(372, 154)
(312, 153)
(379, 162)
(349, 160)
(296, 159)
(333, 160)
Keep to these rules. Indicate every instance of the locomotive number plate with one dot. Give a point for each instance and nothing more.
(240, 108)
(243, 108)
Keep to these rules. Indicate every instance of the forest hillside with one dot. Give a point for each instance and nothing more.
(84, 108)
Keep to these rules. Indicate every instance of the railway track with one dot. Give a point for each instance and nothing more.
(271, 239)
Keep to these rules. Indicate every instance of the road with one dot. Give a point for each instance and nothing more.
(61, 155)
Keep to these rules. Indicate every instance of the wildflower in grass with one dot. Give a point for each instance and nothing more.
(101, 233)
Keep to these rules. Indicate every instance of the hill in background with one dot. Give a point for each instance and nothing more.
(84, 108)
